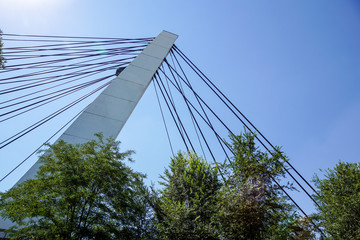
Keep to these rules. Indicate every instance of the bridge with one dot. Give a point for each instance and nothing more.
(115, 73)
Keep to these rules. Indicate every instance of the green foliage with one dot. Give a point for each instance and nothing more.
(81, 191)
(339, 200)
(2, 59)
(194, 204)
(188, 201)
(252, 205)
(87, 192)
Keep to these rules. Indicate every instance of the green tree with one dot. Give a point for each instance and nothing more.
(82, 191)
(252, 205)
(2, 60)
(339, 200)
(187, 204)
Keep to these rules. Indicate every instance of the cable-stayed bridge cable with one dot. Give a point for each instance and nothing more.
(46, 119)
(274, 180)
(256, 130)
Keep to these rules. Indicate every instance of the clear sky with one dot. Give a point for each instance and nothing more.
(292, 67)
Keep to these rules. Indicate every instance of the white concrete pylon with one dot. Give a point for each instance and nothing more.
(109, 112)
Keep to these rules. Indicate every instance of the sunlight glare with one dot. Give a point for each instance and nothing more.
(31, 4)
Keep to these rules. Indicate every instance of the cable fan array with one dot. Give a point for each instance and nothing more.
(47, 75)
(182, 87)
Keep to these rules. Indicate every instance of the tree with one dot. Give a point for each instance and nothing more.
(2, 60)
(247, 204)
(339, 200)
(188, 201)
(252, 205)
(82, 191)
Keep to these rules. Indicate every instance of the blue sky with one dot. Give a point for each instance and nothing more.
(292, 67)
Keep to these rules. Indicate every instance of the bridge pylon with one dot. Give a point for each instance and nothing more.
(109, 112)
